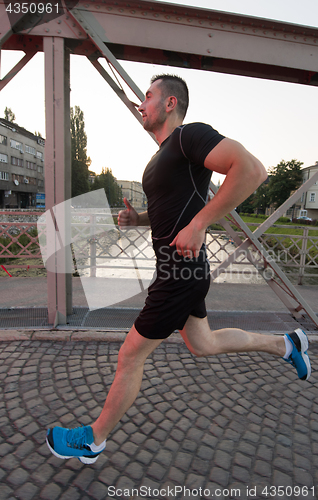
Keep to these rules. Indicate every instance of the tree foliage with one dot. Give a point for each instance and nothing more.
(80, 160)
(247, 206)
(107, 181)
(261, 198)
(284, 178)
(9, 115)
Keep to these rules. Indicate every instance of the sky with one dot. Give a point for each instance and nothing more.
(274, 120)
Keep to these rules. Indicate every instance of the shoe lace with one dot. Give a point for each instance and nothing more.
(76, 438)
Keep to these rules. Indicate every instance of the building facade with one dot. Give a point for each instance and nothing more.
(307, 205)
(21, 167)
(309, 200)
(132, 190)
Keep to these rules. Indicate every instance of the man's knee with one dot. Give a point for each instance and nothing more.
(127, 356)
(136, 349)
(199, 351)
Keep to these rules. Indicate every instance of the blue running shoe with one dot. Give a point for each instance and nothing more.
(70, 443)
(299, 357)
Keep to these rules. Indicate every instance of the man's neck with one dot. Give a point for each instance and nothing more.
(167, 128)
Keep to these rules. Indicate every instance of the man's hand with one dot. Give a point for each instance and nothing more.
(189, 240)
(128, 217)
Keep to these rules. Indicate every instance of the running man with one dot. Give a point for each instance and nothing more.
(176, 182)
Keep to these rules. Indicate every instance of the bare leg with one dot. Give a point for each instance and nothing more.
(203, 342)
(199, 339)
(124, 390)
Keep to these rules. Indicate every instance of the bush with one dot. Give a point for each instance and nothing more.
(283, 219)
(302, 222)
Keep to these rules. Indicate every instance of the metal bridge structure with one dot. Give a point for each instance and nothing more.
(156, 33)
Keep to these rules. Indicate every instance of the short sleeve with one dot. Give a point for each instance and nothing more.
(197, 140)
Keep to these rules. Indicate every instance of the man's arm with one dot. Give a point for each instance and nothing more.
(130, 217)
(244, 173)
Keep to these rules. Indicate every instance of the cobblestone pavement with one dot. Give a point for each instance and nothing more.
(231, 426)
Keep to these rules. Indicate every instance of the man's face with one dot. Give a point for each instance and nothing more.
(153, 108)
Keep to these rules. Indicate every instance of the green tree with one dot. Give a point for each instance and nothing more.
(261, 199)
(9, 115)
(80, 160)
(284, 178)
(113, 191)
(247, 206)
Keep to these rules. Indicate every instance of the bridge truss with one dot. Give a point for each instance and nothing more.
(156, 33)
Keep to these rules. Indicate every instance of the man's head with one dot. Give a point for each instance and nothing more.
(172, 85)
(166, 97)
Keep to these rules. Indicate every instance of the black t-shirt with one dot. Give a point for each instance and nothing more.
(175, 180)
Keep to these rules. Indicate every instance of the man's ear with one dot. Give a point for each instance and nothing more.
(172, 103)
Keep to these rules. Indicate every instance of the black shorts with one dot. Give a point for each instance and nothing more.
(178, 291)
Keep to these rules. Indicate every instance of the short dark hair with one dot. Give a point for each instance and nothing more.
(176, 86)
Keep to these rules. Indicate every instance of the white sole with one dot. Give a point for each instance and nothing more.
(304, 346)
(84, 460)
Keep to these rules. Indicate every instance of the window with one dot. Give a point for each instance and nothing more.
(17, 161)
(312, 197)
(29, 149)
(3, 140)
(16, 177)
(31, 165)
(16, 145)
(3, 158)
(40, 169)
(39, 155)
(40, 183)
(4, 176)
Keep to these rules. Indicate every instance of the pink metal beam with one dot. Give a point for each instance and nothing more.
(57, 169)
(14, 71)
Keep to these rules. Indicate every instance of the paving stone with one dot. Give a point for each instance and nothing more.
(219, 476)
(97, 490)
(156, 471)
(28, 491)
(134, 470)
(64, 476)
(17, 477)
(71, 494)
(84, 479)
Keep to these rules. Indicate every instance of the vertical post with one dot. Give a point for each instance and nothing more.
(303, 256)
(58, 172)
(92, 246)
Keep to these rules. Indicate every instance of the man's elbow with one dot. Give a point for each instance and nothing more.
(259, 172)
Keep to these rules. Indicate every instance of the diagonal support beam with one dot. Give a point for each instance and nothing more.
(116, 88)
(96, 33)
(287, 289)
(16, 69)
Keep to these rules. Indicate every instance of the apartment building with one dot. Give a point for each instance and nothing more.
(132, 190)
(21, 167)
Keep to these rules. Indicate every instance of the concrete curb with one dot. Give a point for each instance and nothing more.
(56, 335)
